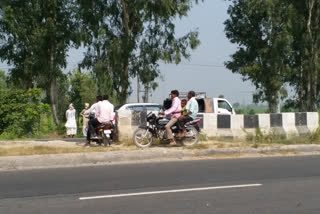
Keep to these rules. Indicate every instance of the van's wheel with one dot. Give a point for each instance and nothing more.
(191, 136)
(142, 138)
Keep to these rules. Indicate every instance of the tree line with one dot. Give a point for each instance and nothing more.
(123, 39)
(278, 47)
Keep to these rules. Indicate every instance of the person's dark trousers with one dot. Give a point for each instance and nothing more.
(184, 120)
(92, 124)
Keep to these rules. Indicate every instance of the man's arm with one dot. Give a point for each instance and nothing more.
(98, 110)
(111, 111)
(90, 109)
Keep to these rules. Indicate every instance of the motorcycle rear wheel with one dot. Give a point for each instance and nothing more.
(106, 140)
(142, 138)
(191, 137)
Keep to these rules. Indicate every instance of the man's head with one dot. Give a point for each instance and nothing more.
(191, 94)
(99, 98)
(174, 93)
(183, 103)
(105, 97)
(86, 105)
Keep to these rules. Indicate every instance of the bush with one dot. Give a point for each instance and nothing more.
(20, 112)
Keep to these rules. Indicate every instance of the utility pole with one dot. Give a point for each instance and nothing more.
(138, 89)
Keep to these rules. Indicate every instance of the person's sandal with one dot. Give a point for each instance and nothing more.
(173, 143)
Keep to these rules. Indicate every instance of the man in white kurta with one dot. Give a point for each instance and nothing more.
(71, 124)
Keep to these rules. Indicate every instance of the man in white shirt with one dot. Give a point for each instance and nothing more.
(104, 110)
(103, 114)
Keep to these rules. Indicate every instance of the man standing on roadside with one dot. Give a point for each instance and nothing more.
(104, 114)
(175, 112)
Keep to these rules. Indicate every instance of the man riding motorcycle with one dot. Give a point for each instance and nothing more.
(192, 111)
(103, 114)
(175, 112)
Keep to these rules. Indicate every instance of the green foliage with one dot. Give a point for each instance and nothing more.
(278, 44)
(34, 38)
(3, 80)
(83, 89)
(126, 38)
(306, 55)
(251, 109)
(261, 30)
(20, 111)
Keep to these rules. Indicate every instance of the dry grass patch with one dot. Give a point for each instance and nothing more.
(284, 152)
(198, 146)
(217, 144)
(59, 147)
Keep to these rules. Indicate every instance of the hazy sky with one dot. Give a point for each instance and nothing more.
(205, 71)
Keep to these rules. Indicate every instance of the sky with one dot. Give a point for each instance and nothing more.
(205, 71)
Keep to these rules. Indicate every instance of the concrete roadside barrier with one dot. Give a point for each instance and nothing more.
(237, 126)
(306, 122)
(288, 124)
(210, 124)
(124, 125)
(264, 123)
(234, 126)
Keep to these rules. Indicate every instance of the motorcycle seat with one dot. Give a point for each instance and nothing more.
(107, 125)
(192, 122)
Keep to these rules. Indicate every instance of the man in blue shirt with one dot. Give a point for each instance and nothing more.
(192, 111)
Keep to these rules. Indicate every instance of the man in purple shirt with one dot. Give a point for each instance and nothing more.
(175, 112)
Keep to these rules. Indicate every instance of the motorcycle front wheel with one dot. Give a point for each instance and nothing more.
(142, 138)
(191, 137)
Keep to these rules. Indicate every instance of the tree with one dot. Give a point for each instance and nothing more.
(128, 38)
(262, 31)
(236, 105)
(305, 73)
(35, 36)
(83, 89)
(20, 111)
(3, 80)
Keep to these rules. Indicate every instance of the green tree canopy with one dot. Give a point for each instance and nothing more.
(261, 30)
(35, 36)
(126, 38)
(20, 111)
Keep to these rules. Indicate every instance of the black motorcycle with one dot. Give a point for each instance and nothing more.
(155, 128)
(104, 133)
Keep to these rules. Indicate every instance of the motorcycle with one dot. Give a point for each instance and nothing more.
(105, 134)
(155, 128)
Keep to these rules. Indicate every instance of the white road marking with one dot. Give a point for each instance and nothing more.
(169, 191)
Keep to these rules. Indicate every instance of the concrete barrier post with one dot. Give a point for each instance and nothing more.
(276, 125)
(224, 126)
(124, 127)
(312, 121)
(264, 123)
(237, 126)
(289, 125)
(210, 125)
(251, 123)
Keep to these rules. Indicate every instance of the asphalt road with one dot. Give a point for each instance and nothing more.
(274, 185)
